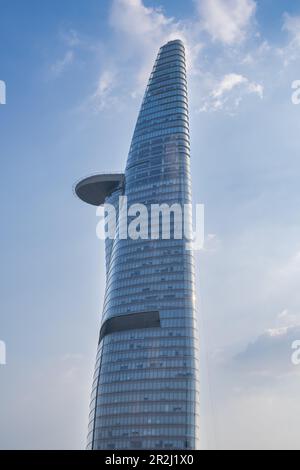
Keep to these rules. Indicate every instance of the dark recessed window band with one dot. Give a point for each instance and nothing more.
(134, 321)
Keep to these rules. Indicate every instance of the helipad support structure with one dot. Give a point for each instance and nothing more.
(146, 389)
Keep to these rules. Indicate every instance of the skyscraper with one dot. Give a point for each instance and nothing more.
(146, 390)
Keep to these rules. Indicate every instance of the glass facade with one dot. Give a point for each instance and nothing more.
(146, 391)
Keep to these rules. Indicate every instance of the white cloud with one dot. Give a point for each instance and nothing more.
(75, 46)
(139, 32)
(288, 319)
(229, 91)
(104, 96)
(146, 21)
(136, 48)
(142, 30)
(105, 84)
(256, 88)
(270, 352)
(275, 332)
(71, 38)
(226, 21)
(61, 65)
(291, 24)
(283, 314)
(290, 53)
(227, 84)
(145, 28)
(133, 51)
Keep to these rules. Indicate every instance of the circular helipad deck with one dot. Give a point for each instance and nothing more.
(95, 189)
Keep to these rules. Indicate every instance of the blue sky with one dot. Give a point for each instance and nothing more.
(75, 73)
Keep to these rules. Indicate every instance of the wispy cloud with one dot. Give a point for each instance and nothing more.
(229, 92)
(58, 68)
(226, 21)
(270, 352)
(227, 84)
(291, 25)
(148, 22)
(152, 28)
(75, 48)
(72, 38)
(103, 97)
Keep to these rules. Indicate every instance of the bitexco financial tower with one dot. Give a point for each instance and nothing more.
(146, 389)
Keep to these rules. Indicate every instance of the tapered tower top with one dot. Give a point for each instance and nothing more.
(166, 88)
